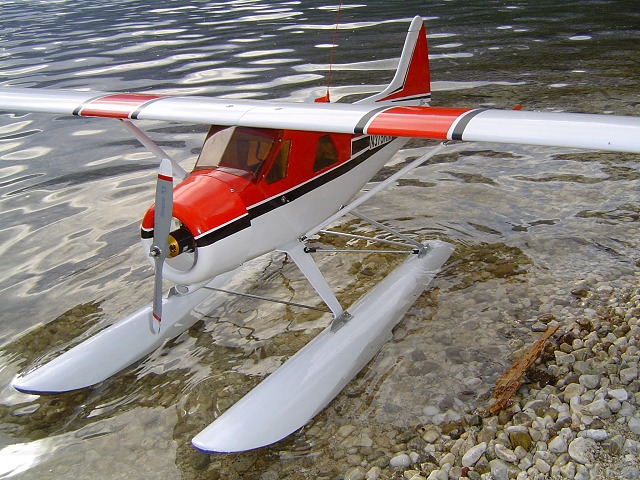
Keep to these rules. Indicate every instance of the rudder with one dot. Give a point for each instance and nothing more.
(411, 84)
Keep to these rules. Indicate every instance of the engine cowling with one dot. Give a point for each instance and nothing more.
(211, 232)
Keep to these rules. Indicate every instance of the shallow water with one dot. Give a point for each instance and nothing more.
(528, 222)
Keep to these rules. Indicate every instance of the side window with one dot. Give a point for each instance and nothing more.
(279, 168)
(326, 154)
(257, 152)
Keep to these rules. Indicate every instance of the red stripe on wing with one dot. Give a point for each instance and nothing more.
(420, 122)
(120, 105)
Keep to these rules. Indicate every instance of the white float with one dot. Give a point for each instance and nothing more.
(292, 395)
(118, 346)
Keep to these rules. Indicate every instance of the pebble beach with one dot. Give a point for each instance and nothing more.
(580, 420)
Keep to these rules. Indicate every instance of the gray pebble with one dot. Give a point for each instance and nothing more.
(373, 473)
(569, 470)
(628, 375)
(580, 450)
(599, 435)
(619, 394)
(401, 460)
(634, 425)
(558, 445)
(473, 454)
(598, 408)
(355, 473)
(542, 466)
(589, 381)
(504, 453)
(499, 469)
(564, 358)
(573, 390)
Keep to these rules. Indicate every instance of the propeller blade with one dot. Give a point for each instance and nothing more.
(157, 295)
(161, 229)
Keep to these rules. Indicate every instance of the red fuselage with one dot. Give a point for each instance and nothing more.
(260, 188)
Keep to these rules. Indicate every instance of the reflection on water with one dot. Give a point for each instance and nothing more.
(527, 221)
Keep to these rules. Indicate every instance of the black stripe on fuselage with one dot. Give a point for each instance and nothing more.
(208, 238)
(361, 152)
(226, 231)
(360, 155)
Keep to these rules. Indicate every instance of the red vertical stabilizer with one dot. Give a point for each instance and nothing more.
(411, 84)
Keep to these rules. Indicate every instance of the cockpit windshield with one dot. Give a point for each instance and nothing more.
(237, 150)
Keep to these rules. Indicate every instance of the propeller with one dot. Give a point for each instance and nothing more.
(161, 229)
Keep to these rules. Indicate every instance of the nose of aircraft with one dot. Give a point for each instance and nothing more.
(204, 204)
(211, 221)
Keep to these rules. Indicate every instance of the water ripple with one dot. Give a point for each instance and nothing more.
(73, 190)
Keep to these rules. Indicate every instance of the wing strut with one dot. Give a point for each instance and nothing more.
(153, 147)
(301, 255)
(366, 196)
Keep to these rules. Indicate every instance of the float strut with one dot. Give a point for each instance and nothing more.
(308, 267)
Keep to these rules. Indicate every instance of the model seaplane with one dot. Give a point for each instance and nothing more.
(270, 176)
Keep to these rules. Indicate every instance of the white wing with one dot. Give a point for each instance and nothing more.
(601, 132)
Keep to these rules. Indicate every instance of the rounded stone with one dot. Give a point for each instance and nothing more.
(438, 475)
(589, 381)
(628, 375)
(634, 425)
(542, 466)
(430, 410)
(564, 358)
(473, 454)
(504, 453)
(626, 410)
(573, 390)
(616, 445)
(499, 469)
(520, 453)
(402, 460)
(355, 473)
(520, 439)
(373, 473)
(449, 458)
(430, 436)
(614, 405)
(346, 430)
(599, 408)
(558, 445)
(597, 434)
(580, 450)
(569, 470)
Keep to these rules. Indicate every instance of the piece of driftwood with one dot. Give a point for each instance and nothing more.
(510, 381)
